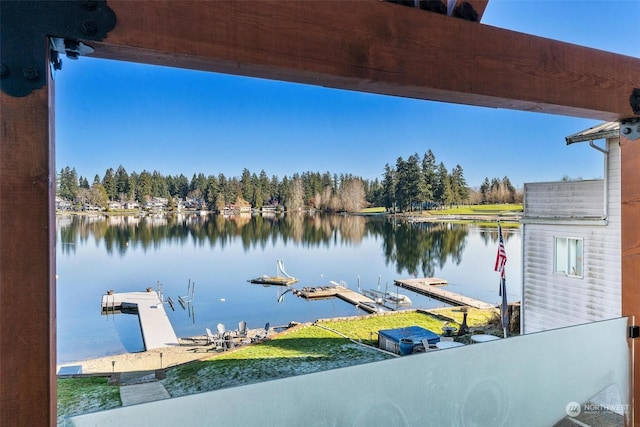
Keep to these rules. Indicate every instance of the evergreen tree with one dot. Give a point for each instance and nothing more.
(246, 184)
(122, 183)
(510, 190)
(388, 187)
(265, 187)
(213, 189)
(485, 190)
(415, 184)
(223, 191)
(448, 192)
(442, 190)
(144, 186)
(133, 186)
(401, 190)
(275, 190)
(284, 191)
(68, 184)
(374, 193)
(182, 186)
(428, 176)
(159, 185)
(459, 185)
(109, 184)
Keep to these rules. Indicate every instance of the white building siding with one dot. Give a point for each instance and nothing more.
(570, 209)
(566, 199)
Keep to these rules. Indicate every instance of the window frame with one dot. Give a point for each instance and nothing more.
(570, 260)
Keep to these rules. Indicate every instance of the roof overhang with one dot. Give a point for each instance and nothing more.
(602, 131)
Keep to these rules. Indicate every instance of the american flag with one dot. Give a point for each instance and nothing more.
(501, 261)
(501, 257)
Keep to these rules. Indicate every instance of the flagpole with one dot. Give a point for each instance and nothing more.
(501, 260)
(504, 312)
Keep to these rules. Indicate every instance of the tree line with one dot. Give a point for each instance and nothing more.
(415, 183)
(418, 183)
(421, 248)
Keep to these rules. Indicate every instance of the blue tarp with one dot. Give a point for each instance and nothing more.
(416, 333)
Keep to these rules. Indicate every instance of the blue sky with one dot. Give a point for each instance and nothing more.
(179, 121)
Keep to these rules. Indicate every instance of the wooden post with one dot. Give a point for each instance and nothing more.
(630, 245)
(27, 263)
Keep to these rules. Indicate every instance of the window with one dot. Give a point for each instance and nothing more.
(568, 259)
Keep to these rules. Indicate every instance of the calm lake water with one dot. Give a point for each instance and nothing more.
(219, 256)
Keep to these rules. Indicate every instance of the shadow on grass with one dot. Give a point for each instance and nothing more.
(270, 360)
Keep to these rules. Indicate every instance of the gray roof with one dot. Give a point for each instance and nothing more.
(601, 131)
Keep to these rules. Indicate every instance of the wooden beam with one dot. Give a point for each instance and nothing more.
(378, 47)
(630, 246)
(27, 264)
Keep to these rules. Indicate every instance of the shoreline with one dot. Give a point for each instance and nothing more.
(189, 350)
(196, 348)
(142, 361)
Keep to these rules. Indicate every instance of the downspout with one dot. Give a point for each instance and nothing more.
(605, 213)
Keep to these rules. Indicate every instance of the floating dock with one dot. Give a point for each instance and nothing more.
(352, 297)
(280, 279)
(155, 326)
(429, 287)
(274, 280)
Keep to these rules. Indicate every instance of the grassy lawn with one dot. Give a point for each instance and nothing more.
(83, 395)
(474, 210)
(301, 350)
(479, 210)
(373, 210)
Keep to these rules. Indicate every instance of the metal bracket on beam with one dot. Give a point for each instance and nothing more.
(464, 10)
(630, 129)
(25, 27)
(634, 100)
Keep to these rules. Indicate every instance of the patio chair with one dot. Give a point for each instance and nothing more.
(211, 337)
(427, 346)
(216, 339)
(224, 336)
(221, 329)
(241, 332)
(262, 334)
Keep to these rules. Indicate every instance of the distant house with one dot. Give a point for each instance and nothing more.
(62, 204)
(268, 209)
(571, 243)
(115, 205)
(157, 204)
(194, 203)
(88, 207)
(231, 209)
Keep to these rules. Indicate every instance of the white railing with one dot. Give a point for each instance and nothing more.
(532, 380)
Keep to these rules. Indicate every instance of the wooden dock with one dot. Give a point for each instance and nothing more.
(352, 297)
(155, 326)
(274, 280)
(429, 287)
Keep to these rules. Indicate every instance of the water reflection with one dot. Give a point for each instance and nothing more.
(130, 253)
(417, 248)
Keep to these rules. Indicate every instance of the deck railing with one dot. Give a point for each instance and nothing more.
(533, 380)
